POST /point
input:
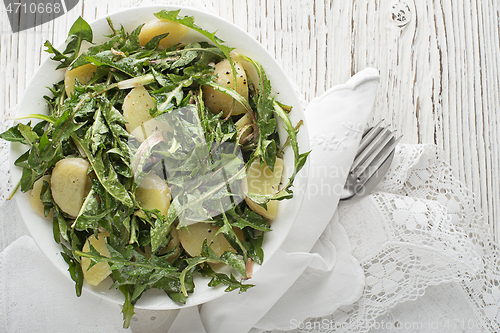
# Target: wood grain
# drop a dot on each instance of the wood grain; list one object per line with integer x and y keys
{"x": 439, "y": 63}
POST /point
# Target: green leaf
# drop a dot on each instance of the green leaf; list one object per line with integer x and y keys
{"x": 46, "y": 198}
{"x": 231, "y": 92}
{"x": 26, "y": 131}
{"x": 132, "y": 43}
{"x": 17, "y": 133}
{"x": 128, "y": 307}
{"x": 264, "y": 198}
{"x": 153, "y": 43}
{"x": 220, "y": 278}
{"x": 129, "y": 65}
{"x": 99, "y": 131}
{"x": 75, "y": 270}
{"x": 13, "y": 135}
{"x": 162, "y": 228}
{"x": 188, "y": 21}
{"x": 90, "y": 213}
{"x": 60, "y": 221}
{"x": 269, "y": 147}
{"x": 109, "y": 179}
{"x": 300, "y": 159}
{"x": 106, "y": 46}
{"x": 249, "y": 219}
{"x": 21, "y": 160}
{"x": 106, "y": 175}
{"x": 80, "y": 31}
{"x": 142, "y": 154}
{"x": 65, "y": 126}
{"x": 187, "y": 56}
{"x": 58, "y": 56}
{"x": 28, "y": 178}
{"x": 253, "y": 245}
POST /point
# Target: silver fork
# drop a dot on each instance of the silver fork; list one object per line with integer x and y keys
{"x": 371, "y": 163}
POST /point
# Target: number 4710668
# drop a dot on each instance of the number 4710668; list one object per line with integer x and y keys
{"x": 34, "y": 8}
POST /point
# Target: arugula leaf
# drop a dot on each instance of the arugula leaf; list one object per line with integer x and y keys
{"x": 300, "y": 158}
{"x": 249, "y": 219}
{"x": 153, "y": 43}
{"x": 13, "y": 134}
{"x": 253, "y": 245}
{"x": 60, "y": 225}
{"x": 208, "y": 255}
{"x": 74, "y": 268}
{"x": 264, "y": 103}
{"x": 80, "y": 31}
{"x": 128, "y": 307}
{"x": 106, "y": 46}
{"x": 99, "y": 131}
{"x": 106, "y": 174}
{"x": 220, "y": 278}
{"x": 131, "y": 65}
{"x": 90, "y": 213}
{"x": 188, "y": 21}
{"x": 132, "y": 42}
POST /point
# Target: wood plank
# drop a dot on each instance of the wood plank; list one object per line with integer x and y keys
{"x": 440, "y": 72}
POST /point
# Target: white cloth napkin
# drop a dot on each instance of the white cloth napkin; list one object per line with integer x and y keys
{"x": 36, "y": 297}
{"x": 314, "y": 265}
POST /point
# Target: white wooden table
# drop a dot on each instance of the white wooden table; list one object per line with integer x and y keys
{"x": 439, "y": 63}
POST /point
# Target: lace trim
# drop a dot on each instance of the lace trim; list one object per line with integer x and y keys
{"x": 419, "y": 229}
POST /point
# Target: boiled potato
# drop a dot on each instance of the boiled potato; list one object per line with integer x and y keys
{"x": 101, "y": 270}
{"x": 263, "y": 181}
{"x": 218, "y": 101}
{"x": 156, "y": 27}
{"x": 83, "y": 73}
{"x": 140, "y": 123}
{"x": 35, "y": 201}
{"x": 153, "y": 193}
{"x": 246, "y": 119}
{"x": 136, "y": 106}
{"x": 192, "y": 239}
{"x": 69, "y": 184}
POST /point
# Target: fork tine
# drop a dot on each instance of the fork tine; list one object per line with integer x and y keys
{"x": 374, "y": 148}
{"x": 380, "y": 160}
{"x": 371, "y": 142}
{"x": 368, "y": 137}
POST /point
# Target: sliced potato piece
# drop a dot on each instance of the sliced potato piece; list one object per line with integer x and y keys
{"x": 140, "y": 123}
{"x": 147, "y": 128}
{"x": 153, "y": 193}
{"x": 192, "y": 239}
{"x": 136, "y": 106}
{"x": 263, "y": 181}
{"x": 176, "y": 32}
{"x": 101, "y": 270}
{"x": 35, "y": 201}
{"x": 218, "y": 101}
{"x": 68, "y": 184}
{"x": 83, "y": 73}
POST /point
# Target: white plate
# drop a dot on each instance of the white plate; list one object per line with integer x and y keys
{"x": 46, "y": 75}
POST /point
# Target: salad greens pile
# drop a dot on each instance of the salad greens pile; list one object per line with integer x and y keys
{"x": 89, "y": 124}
